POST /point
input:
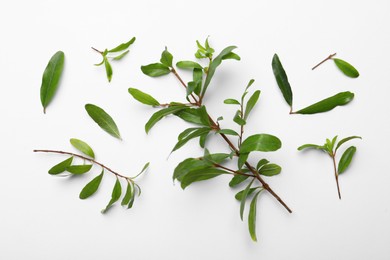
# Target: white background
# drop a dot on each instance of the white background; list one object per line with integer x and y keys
{"x": 41, "y": 215}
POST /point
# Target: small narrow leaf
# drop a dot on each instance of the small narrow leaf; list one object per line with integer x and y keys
{"x": 252, "y": 217}
{"x": 128, "y": 195}
{"x": 227, "y": 132}
{"x": 346, "y": 68}
{"x": 342, "y": 141}
{"x": 242, "y": 159}
{"x": 120, "y": 56}
{"x": 310, "y": 146}
{"x": 123, "y": 46}
{"x": 251, "y": 103}
{"x": 260, "y": 142}
{"x": 82, "y": 147}
{"x": 188, "y": 65}
{"x": 243, "y": 199}
{"x": 166, "y": 58}
{"x": 198, "y": 132}
{"x": 103, "y": 119}
{"x": 270, "y": 169}
{"x": 237, "y": 179}
{"x": 155, "y": 70}
{"x": 143, "y": 97}
{"x": 115, "y": 195}
{"x": 282, "y": 80}
{"x": 51, "y": 77}
{"x": 108, "y": 67}
{"x": 239, "y": 195}
{"x": 231, "y": 101}
{"x": 328, "y": 104}
{"x": 237, "y": 118}
{"x": 161, "y": 114}
{"x": 346, "y": 159}
{"x": 61, "y": 167}
{"x": 79, "y": 169}
{"x": 91, "y": 187}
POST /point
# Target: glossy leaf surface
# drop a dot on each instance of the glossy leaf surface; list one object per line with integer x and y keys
{"x": 346, "y": 159}
{"x": 79, "y": 169}
{"x": 91, "y": 187}
{"x": 143, "y": 97}
{"x": 346, "y": 68}
{"x": 155, "y": 69}
{"x": 61, "y": 167}
{"x": 115, "y": 195}
{"x": 282, "y": 80}
{"x": 260, "y": 142}
{"x": 103, "y": 119}
{"x": 82, "y": 147}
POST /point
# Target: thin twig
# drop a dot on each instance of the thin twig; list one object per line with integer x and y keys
{"x": 336, "y": 174}
{"x": 328, "y": 58}
{"x": 96, "y": 50}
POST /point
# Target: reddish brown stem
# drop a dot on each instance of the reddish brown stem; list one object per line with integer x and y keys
{"x": 336, "y": 174}
{"x": 328, "y": 58}
{"x": 96, "y": 50}
{"x": 184, "y": 85}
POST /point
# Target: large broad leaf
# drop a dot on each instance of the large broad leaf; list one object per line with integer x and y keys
{"x": 161, "y": 114}
{"x": 328, "y": 104}
{"x": 200, "y": 175}
{"x": 61, "y": 167}
{"x": 51, "y": 77}
{"x": 346, "y": 68}
{"x": 251, "y": 103}
{"x": 282, "y": 80}
{"x": 260, "y": 142}
{"x": 123, "y": 46}
{"x": 91, "y": 187}
{"x": 103, "y": 119}
{"x": 155, "y": 69}
{"x": 252, "y": 217}
{"x": 79, "y": 169}
{"x": 82, "y": 147}
{"x": 143, "y": 97}
{"x": 115, "y": 195}
{"x": 346, "y": 159}
{"x": 344, "y": 140}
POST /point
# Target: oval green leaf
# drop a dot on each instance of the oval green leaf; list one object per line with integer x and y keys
{"x": 328, "y": 104}
{"x": 166, "y": 58}
{"x": 108, "y": 67}
{"x": 155, "y": 70}
{"x": 231, "y": 101}
{"x": 82, "y": 147}
{"x": 260, "y": 142}
{"x": 346, "y": 159}
{"x": 51, "y": 77}
{"x": 61, "y": 167}
{"x": 282, "y": 80}
{"x": 237, "y": 179}
{"x": 270, "y": 169}
{"x": 200, "y": 175}
{"x": 79, "y": 169}
{"x": 346, "y": 68}
{"x": 91, "y": 187}
{"x": 103, "y": 119}
{"x": 143, "y": 97}
{"x": 161, "y": 114}
{"x": 240, "y": 194}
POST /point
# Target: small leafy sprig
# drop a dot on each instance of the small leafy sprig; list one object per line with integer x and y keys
{"x": 330, "y": 147}
{"x": 342, "y": 65}
{"x": 194, "y": 111}
{"x": 120, "y": 52}
{"x": 68, "y": 167}
{"x": 325, "y": 105}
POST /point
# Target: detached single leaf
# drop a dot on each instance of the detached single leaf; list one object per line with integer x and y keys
{"x": 346, "y": 159}
{"x": 115, "y": 195}
{"x": 188, "y": 65}
{"x": 346, "y": 68}
{"x": 155, "y": 69}
{"x": 200, "y": 175}
{"x": 328, "y": 104}
{"x": 282, "y": 80}
{"x": 91, "y": 187}
{"x": 79, "y": 169}
{"x": 161, "y": 114}
{"x": 342, "y": 141}
{"x": 166, "y": 58}
{"x": 270, "y": 169}
{"x": 227, "y": 132}
{"x": 51, "y": 77}
{"x": 260, "y": 142}
{"x": 123, "y": 46}
{"x": 143, "y": 97}
{"x": 108, "y": 67}
{"x": 61, "y": 167}
{"x": 252, "y": 217}
{"x": 103, "y": 119}
{"x": 82, "y": 147}
{"x": 251, "y": 103}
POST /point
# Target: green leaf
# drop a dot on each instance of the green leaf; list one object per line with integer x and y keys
{"x": 239, "y": 195}
{"x": 197, "y": 116}
{"x": 200, "y": 175}
{"x": 242, "y": 159}
{"x": 203, "y": 139}
{"x": 237, "y": 118}
{"x": 61, "y": 167}
{"x": 155, "y": 69}
{"x": 143, "y": 97}
{"x": 261, "y": 163}
{"x": 346, "y": 159}
{"x": 252, "y": 217}
{"x": 227, "y": 132}
{"x": 328, "y": 104}
{"x": 198, "y": 132}
{"x": 213, "y": 66}
{"x": 188, "y": 65}
{"x": 166, "y": 58}
{"x": 120, "y": 56}
{"x": 129, "y": 195}
{"x": 243, "y": 199}
{"x": 115, "y": 195}
{"x": 231, "y": 56}
{"x": 231, "y": 101}
{"x": 282, "y": 80}
{"x": 161, "y": 114}
{"x": 123, "y": 46}
{"x": 108, "y": 67}
{"x": 79, "y": 169}
{"x": 237, "y": 179}
{"x": 270, "y": 169}
{"x": 342, "y": 141}
{"x": 91, "y": 187}
{"x": 190, "y": 164}
{"x": 310, "y": 146}
{"x": 251, "y": 103}
{"x": 260, "y": 142}
{"x": 103, "y": 119}
{"x": 346, "y": 68}
{"x": 51, "y": 77}
{"x": 82, "y": 147}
